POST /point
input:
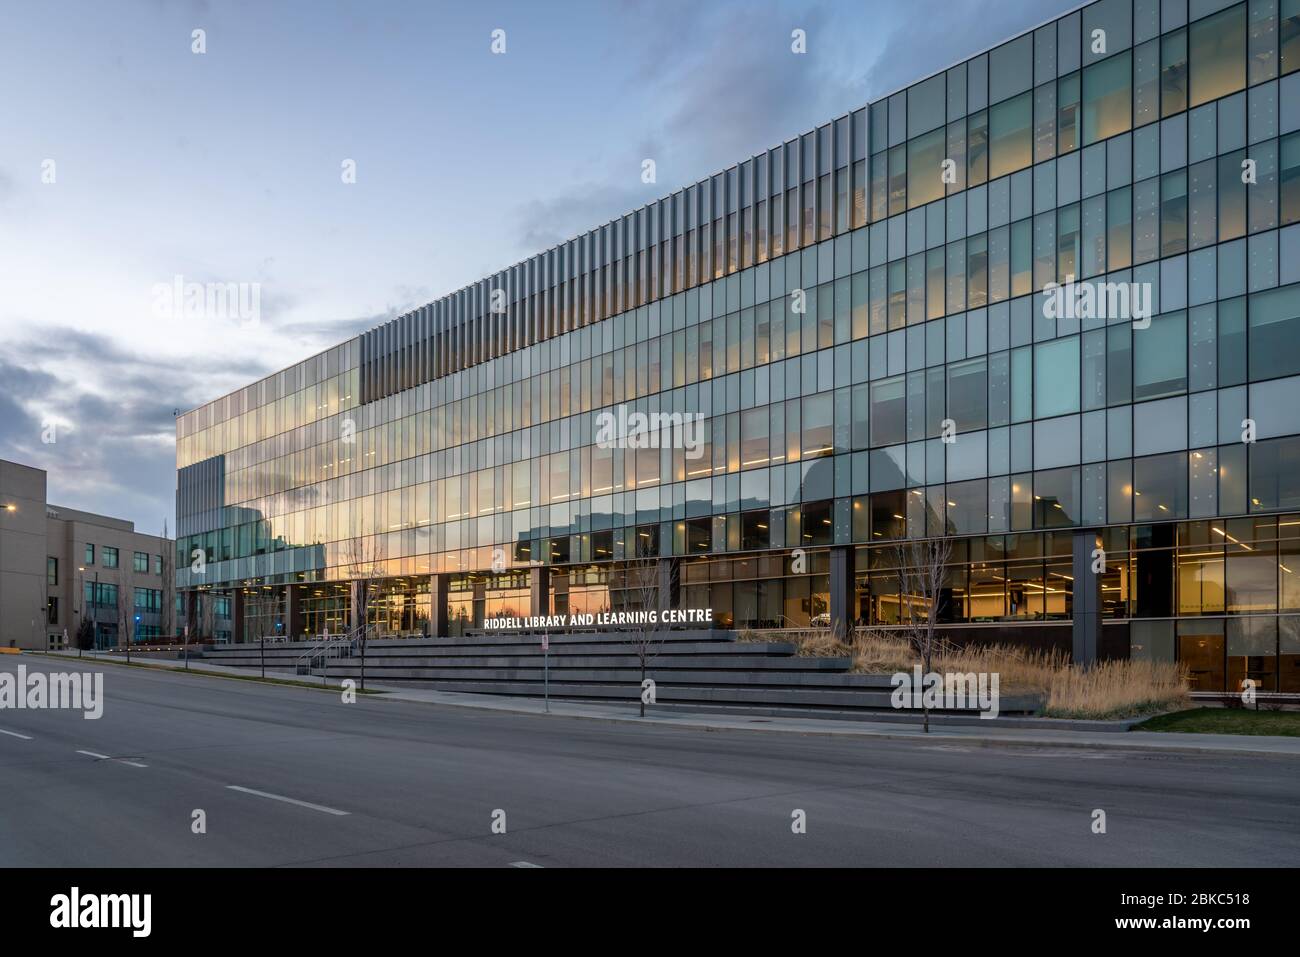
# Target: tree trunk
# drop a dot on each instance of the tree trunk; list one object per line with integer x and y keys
{"x": 925, "y": 705}
{"x": 643, "y": 663}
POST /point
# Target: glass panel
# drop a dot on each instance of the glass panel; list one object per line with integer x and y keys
{"x": 1160, "y": 487}
{"x": 1218, "y": 55}
{"x": 1056, "y": 378}
{"x": 925, "y": 156}
{"x": 1160, "y": 357}
{"x": 1173, "y": 73}
{"x": 1010, "y": 136}
{"x": 1107, "y": 98}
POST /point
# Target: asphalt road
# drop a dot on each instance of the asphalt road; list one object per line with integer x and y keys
{"x": 389, "y": 783}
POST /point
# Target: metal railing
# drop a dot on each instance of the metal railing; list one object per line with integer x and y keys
{"x": 329, "y": 647}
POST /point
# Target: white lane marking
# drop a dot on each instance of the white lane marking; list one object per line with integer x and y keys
{"x": 15, "y": 734}
{"x": 288, "y": 800}
{"x": 524, "y": 864}
{"x": 109, "y": 757}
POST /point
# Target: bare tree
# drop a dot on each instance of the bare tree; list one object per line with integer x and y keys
{"x": 365, "y": 562}
{"x": 922, "y": 571}
{"x": 642, "y": 593}
{"x": 85, "y": 635}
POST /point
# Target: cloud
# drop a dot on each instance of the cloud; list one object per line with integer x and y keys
{"x": 912, "y": 49}
{"x": 109, "y": 409}
{"x": 543, "y": 223}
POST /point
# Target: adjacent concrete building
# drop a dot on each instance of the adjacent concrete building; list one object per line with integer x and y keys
{"x": 61, "y": 565}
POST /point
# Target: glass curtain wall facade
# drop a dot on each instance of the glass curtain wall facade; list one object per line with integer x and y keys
{"x": 859, "y": 316}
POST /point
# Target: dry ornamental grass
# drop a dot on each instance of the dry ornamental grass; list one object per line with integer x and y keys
{"x": 1111, "y": 689}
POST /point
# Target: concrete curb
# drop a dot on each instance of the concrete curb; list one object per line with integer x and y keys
{"x": 1222, "y": 745}
{"x": 1111, "y": 740}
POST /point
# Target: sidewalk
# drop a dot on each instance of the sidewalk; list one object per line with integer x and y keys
{"x": 1069, "y": 735}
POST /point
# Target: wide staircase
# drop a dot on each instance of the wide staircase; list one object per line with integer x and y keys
{"x": 698, "y": 668}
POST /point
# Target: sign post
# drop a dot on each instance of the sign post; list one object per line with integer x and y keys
{"x": 546, "y": 672}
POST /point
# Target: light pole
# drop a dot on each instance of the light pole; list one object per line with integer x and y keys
{"x": 81, "y": 569}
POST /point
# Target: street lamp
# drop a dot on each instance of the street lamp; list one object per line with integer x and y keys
{"x": 95, "y": 612}
{"x": 80, "y": 613}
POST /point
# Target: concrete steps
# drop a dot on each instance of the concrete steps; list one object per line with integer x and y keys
{"x": 703, "y": 668}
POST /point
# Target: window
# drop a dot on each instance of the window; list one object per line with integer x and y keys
{"x": 1146, "y": 220}
{"x": 1067, "y": 114}
{"x": 977, "y": 148}
{"x": 1217, "y": 48}
{"x": 52, "y": 611}
{"x": 1056, "y": 498}
{"x": 925, "y": 156}
{"x": 1160, "y": 487}
{"x": 90, "y": 554}
{"x": 888, "y": 515}
{"x": 1067, "y": 243}
{"x": 1289, "y": 35}
{"x": 157, "y": 562}
{"x": 1056, "y": 378}
{"x": 818, "y": 415}
{"x": 1146, "y": 83}
{"x": 1232, "y": 197}
{"x": 1106, "y": 98}
{"x": 1160, "y": 357}
{"x": 753, "y": 438}
{"x": 1275, "y": 474}
{"x": 51, "y": 570}
{"x": 888, "y": 413}
{"x": 1119, "y": 229}
{"x": 1173, "y": 213}
{"x": 1173, "y": 73}
{"x": 1289, "y": 179}
{"x": 140, "y": 562}
{"x": 1275, "y": 333}
{"x": 110, "y": 557}
{"x": 100, "y": 594}
{"x": 1011, "y": 139}
{"x": 897, "y": 180}
{"x": 1202, "y": 211}
{"x": 967, "y": 507}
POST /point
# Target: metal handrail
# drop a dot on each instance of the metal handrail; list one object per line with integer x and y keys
{"x": 330, "y": 646}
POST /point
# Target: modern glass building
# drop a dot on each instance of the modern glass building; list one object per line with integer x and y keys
{"x": 859, "y": 315}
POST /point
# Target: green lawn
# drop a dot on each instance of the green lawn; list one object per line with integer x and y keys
{"x": 1225, "y": 721}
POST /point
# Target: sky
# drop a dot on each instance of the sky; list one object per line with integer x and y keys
{"x": 129, "y": 162}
